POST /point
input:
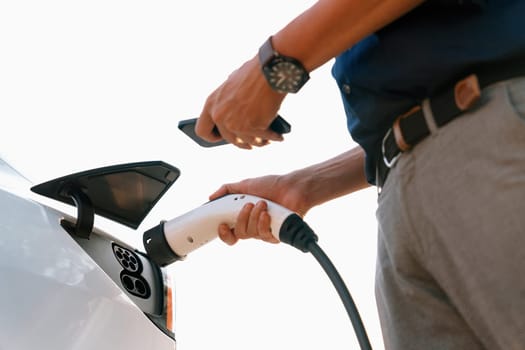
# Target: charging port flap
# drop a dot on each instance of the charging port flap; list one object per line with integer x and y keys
{"x": 123, "y": 193}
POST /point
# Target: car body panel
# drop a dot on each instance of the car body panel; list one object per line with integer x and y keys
{"x": 53, "y": 294}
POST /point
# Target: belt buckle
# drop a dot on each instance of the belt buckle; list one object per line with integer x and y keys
{"x": 388, "y": 163}
{"x": 398, "y": 137}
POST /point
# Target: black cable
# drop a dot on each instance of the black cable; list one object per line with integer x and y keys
{"x": 344, "y": 294}
{"x": 298, "y": 234}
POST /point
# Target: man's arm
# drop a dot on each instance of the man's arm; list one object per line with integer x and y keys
{"x": 299, "y": 191}
{"x": 244, "y": 106}
{"x": 330, "y": 179}
{"x": 330, "y": 27}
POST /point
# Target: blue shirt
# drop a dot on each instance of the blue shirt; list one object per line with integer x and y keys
{"x": 394, "y": 69}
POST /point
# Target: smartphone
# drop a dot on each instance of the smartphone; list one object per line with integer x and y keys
{"x": 187, "y": 126}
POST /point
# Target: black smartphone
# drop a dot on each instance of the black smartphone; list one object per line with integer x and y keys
{"x": 279, "y": 125}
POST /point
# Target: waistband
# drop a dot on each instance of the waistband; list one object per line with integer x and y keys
{"x": 411, "y": 127}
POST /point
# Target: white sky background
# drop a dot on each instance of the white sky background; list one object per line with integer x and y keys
{"x": 85, "y": 84}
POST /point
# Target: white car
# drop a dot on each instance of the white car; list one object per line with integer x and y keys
{"x": 68, "y": 285}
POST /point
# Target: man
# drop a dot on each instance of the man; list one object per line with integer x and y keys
{"x": 434, "y": 94}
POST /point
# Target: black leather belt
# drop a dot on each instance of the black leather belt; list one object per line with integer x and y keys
{"x": 410, "y": 128}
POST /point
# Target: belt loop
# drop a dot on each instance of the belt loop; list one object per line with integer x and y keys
{"x": 429, "y": 116}
{"x": 398, "y": 134}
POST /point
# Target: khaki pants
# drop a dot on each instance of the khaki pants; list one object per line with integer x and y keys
{"x": 451, "y": 245}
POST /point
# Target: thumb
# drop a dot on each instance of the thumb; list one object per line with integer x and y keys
{"x": 222, "y": 191}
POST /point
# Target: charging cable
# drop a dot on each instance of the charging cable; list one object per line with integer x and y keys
{"x": 298, "y": 234}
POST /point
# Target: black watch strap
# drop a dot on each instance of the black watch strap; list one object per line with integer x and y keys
{"x": 266, "y": 52}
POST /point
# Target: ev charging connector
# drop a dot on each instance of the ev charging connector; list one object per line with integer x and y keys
{"x": 174, "y": 239}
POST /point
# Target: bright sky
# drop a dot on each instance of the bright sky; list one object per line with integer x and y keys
{"x": 85, "y": 84}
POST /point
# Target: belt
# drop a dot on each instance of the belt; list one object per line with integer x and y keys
{"x": 411, "y": 128}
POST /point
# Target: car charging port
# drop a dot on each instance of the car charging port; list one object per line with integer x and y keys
{"x": 131, "y": 277}
{"x": 135, "y": 284}
{"x": 128, "y": 259}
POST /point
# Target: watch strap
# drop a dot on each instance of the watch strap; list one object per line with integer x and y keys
{"x": 266, "y": 52}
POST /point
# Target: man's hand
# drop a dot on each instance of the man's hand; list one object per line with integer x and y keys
{"x": 253, "y": 220}
{"x": 241, "y": 109}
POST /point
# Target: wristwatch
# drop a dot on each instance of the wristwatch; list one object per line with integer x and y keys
{"x": 284, "y": 74}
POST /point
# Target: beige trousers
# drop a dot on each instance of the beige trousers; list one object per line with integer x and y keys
{"x": 451, "y": 245}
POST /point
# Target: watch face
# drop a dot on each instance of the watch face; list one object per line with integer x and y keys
{"x": 286, "y": 75}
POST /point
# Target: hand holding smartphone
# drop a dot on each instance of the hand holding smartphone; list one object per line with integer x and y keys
{"x": 187, "y": 126}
